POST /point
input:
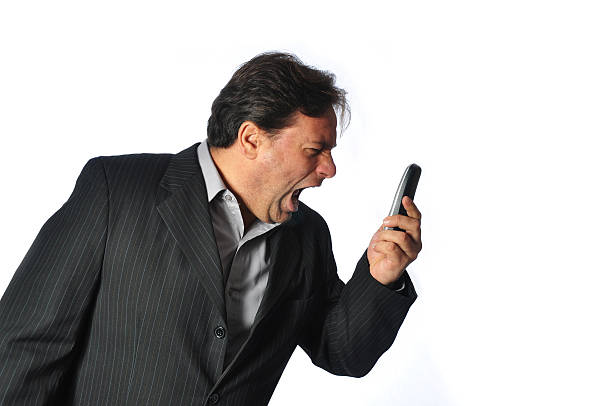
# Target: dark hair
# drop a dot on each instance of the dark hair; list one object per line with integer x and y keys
{"x": 268, "y": 90}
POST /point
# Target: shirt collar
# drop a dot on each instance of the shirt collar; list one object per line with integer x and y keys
{"x": 214, "y": 183}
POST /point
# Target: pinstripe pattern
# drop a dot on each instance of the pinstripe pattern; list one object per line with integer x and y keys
{"x": 117, "y": 300}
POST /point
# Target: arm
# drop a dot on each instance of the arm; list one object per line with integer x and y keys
{"x": 44, "y": 311}
{"x": 360, "y": 320}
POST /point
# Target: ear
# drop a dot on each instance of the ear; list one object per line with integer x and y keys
{"x": 249, "y": 139}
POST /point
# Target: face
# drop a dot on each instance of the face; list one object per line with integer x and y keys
{"x": 296, "y": 158}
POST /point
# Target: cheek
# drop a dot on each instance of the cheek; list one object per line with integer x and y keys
{"x": 283, "y": 171}
{"x": 275, "y": 167}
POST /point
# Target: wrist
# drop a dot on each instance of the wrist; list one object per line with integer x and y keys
{"x": 397, "y": 284}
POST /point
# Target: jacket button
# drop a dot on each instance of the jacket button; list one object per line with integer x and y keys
{"x": 219, "y": 332}
{"x": 214, "y": 398}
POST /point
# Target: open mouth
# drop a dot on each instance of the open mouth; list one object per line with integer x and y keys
{"x": 294, "y": 199}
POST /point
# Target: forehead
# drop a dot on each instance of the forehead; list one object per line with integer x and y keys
{"x": 319, "y": 130}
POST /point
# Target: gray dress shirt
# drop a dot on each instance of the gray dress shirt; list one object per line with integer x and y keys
{"x": 243, "y": 255}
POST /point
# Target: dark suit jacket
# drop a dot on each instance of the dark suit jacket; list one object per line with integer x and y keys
{"x": 119, "y": 301}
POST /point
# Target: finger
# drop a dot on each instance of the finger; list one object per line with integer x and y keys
{"x": 394, "y": 254}
{"x": 403, "y": 222}
{"x": 383, "y": 247}
{"x": 376, "y": 236}
{"x": 411, "y": 208}
{"x": 403, "y": 240}
{"x": 392, "y": 251}
{"x": 410, "y": 225}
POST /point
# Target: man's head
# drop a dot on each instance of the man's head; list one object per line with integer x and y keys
{"x": 268, "y": 90}
{"x": 271, "y": 133}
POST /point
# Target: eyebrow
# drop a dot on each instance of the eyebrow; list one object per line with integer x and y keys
{"x": 324, "y": 144}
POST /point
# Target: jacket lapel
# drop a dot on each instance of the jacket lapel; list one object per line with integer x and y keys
{"x": 285, "y": 268}
{"x": 285, "y": 255}
{"x": 183, "y": 205}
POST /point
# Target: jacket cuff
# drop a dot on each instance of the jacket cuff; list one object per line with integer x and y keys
{"x": 406, "y": 290}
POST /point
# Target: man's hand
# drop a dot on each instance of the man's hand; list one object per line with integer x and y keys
{"x": 390, "y": 251}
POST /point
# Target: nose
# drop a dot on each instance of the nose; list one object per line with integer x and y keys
{"x": 327, "y": 167}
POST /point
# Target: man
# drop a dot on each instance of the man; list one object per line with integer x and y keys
{"x": 190, "y": 278}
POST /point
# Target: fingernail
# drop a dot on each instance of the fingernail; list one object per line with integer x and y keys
{"x": 386, "y": 221}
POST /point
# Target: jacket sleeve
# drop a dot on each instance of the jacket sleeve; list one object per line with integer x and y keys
{"x": 45, "y": 310}
{"x": 359, "y": 321}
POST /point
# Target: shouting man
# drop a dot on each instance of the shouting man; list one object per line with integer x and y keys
{"x": 190, "y": 279}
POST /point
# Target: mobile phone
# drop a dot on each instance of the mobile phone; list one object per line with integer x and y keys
{"x": 406, "y": 187}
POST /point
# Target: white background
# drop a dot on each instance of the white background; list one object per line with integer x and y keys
{"x": 505, "y": 104}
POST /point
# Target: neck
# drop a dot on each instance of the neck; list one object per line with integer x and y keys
{"x": 229, "y": 167}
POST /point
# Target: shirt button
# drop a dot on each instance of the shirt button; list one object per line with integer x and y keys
{"x": 214, "y": 398}
{"x": 228, "y": 198}
{"x": 219, "y": 332}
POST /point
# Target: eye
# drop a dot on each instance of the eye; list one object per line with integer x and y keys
{"x": 314, "y": 151}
